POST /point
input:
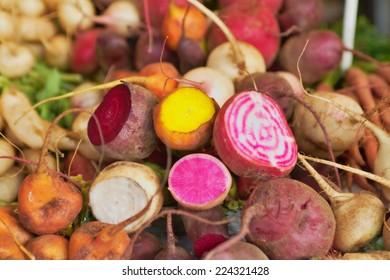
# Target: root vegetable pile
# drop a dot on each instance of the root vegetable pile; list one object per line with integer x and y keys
{"x": 132, "y": 130}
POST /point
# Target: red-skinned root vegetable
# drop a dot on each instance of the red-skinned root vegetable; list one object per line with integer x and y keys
{"x": 286, "y": 219}
{"x": 252, "y": 137}
{"x": 49, "y": 247}
{"x": 121, "y": 190}
{"x": 124, "y": 118}
{"x": 359, "y": 216}
{"x": 47, "y": 203}
{"x": 205, "y": 237}
{"x": 199, "y": 181}
{"x": 146, "y": 247}
{"x": 239, "y": 251}
{"x": 343, "y": 131}
{"x": 171, "y": 251}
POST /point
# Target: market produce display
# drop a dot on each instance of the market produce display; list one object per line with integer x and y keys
{"x": 191, "y": 130}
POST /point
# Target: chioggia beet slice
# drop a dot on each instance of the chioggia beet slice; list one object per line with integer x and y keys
{"x": 252, "y": 137}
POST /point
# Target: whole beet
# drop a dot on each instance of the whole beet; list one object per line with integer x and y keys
{"x": 322, "y": 54}
{"x": 297, "y": 223}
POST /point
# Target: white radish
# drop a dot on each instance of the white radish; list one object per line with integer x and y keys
{"x": 15, "y": 60}
{"x": 359, "y": 216}
{"x": 6, "y": 149}
{"x": 123, "y": 189}
{"x": 212, "y": 81}
{"x": 10, "y": 182}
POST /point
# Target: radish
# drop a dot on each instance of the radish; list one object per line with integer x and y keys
{"x": 122, "y": 124}
{"x": 252, "y": 137}
{"x": 254, "y": 24}
{"x": 191, "y": 190}
{"x": 213, "y": 82}
{"x": 121, "y": 190}
{"x": 359, "y": 216}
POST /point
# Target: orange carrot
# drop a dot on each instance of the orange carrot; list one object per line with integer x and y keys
{"x": 384, "y": 72}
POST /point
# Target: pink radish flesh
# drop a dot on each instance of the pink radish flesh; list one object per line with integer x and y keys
{"x": 199, "y": 181}
{"x": 252, "y": 137}
{"x": 110, "y": 116}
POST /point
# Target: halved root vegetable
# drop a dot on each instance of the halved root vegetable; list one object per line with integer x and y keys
{"x": 199, "y": 181}
{"x": 123, "y": 189}
{"x": 252, "y": 137}
{"x": 9, "y": 184}
{"x": 343, "y": 131}
{"x": 359, "y": 216}
{"x": 184, "y": 119}
{"x": 6, "y": 149}
{"x": 47, "y": 203}
{"x": 213, "y": 82}
{"x": 204, "y": 237}
{"x": 122, "y": 124}
{"x": 49, "y": 247}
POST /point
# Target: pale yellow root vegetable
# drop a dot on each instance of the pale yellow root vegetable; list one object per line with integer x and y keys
{"x": 34, "y": 29}
{"x": 73, "y": 15}
{"x": 12, "y": 138}
{"x": 57, "y": 51}
{"x": 9, "y": 184}
{"x": 2, "y": 123}
{"x": 6, "y": 26}
{"x": 15, "y": 60}
{"x": 6, "y": 149}
{"x": 32, "y": 8}
{"x": 376, "y": 255}
{"x": 33, "y": 155}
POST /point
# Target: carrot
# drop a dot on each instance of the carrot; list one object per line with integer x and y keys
{"x": 384, "y": 72}
{"x": 379, "y": 85}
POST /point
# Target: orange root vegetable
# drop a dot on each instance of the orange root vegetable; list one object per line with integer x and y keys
{"x": 49, "y": 247}
{"x": 370, "y": 145}
{"x": 158, "y": 78}
{"x": 184, "y": 119}
{"x": 359, "y": 216}
{"x": 384, "y": 72}
{"x": 195, "y": 24}
{"x": 47, "y": 203}
{"x": 380, "y": 87}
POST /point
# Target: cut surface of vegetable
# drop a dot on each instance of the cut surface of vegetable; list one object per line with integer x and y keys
{"x": 252, "y": 137}
{"x": 199, "y": 181}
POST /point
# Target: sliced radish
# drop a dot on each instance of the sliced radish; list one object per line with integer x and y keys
{"x": 199, "y": 181}
{"x": 252, "y": 137}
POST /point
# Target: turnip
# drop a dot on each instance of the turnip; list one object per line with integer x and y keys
{"x": 6, "y": 149}
{"x": 386, "y": 234}
{"x": 121, "y": 190}
{"x": 183, "y": 120}
{"x": 286, "y": 219}
{"x": 359, "y": 216}
{"x": 252, "y": 137}
{"x": 124, "y": 120}
{"x": 322, "y": 51}
{"x": 252, "y": 23}
{"x": 34, "y": 29}
{"x": 212, "y": 81}
{"x": 33, "y": 8}
{"x": 9, "y": 184}
{"x": 342, "y": 129}
{"x": 191, "y": 190}
{"x": 73, "y": 15}
{"x": 15, "y": 60}
{"x": 57, "y": 51}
